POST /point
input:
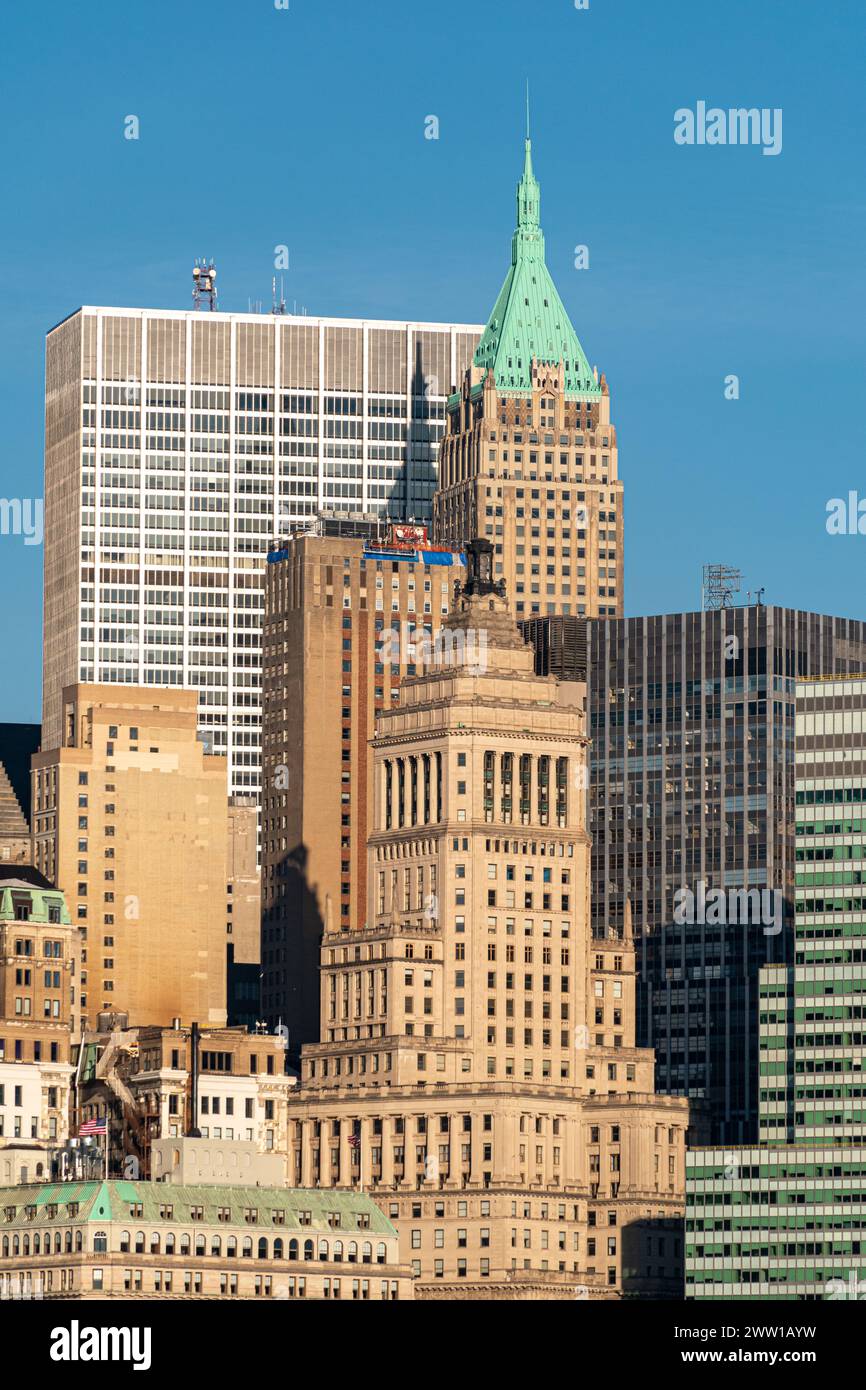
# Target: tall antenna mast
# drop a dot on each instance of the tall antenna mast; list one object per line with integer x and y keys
{"x": 527, "y": 108}
{"x": 204, "y": 284}
{"x": 720, "y": 584}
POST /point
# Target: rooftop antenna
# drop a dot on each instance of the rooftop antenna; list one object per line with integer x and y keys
{"x": 527, "y": 108}
{"x": 278, "y": 308}
{"x": 720, "y": 584}
{"x": 204, "y": 283}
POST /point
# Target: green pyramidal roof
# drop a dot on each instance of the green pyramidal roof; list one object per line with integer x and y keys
{"x": 529, "y": 319}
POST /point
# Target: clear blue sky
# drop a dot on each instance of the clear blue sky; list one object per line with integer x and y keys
{"x": 306, "y": 127}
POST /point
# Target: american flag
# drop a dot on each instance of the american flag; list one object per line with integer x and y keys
{"x": 354, "y": 1141}
{"x": 93, "y": 1127}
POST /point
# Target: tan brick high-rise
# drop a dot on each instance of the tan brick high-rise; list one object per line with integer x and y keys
{"x": 529, "y": 455}
{"x": 130, "y": 820}
{"x": 334, "y": 601}
{"x": 477, "y": 1070}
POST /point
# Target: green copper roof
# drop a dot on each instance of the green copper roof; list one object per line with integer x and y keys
{"x": 529, "y": 319}
{"x": 112, "y": 1200}
{"x": 40, "y": 901}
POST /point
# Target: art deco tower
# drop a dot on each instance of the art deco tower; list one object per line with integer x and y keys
{"x": 477, "y": 1070}
{"x": 529, "y": 456}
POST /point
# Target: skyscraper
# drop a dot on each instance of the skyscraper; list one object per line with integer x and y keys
{"x": 130, "y": 818}
{"x": 786, "y": 1220}
{"x": 477, "y": 1072}
{"x": 349, "y": 608}
{"x": 177, "y": 445}
{"x": 529, "y": 455}
{"x": 692, "y": 793}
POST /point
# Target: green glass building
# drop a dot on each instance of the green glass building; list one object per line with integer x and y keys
{"x": 786, "y": 1219}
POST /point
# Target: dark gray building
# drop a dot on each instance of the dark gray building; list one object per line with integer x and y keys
{"x": 692, "y": 792}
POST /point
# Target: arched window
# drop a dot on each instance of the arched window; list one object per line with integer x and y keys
{"x": 231, "y": 1247}
{"x": 139, "y": 1242}
{"x": 293, "y": 1249}
{"x": 16, "y": 1246}
{"x": 6, "y": 1246}
{"x": 247, "y": 1248}
{"x": 263, "y": 1248}
{"x": 184, "y": 1244}
{"x": 100, "y": 1242}
{"x": 124, "y": 1241}
{"x": 36, "y": 1244}
{"x": 308, "y": 1249}
{"x": 169, "y": 1243}
{"x": 278, "y": 1248}
{"x": 200, "y": 1245}
{"x": 323, "y": 1249}
{"x": 154, "y": 1242}
{"x": 58, "y": 1241}
{"x": 216, "y": 1245}
{"x": 338, "y": 1251}
{"x": 26, "y": 1250}
{"x": 353, "y": 1252}
{"x": 67, "y": 1243}
{"x": 381, "y": 1253}
{"x": 79, "y": 1241}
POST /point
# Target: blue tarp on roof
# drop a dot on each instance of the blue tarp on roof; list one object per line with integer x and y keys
{"x": 441, "y": 557}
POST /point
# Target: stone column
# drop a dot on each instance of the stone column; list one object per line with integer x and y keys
{"x": 306, "y": 1127}
{"x": 366, "y": 1167}
{"x": 345, "y": 1178}
{"x": 388, "y": 1140}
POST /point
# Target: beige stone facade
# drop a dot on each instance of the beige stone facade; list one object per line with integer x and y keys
{"x": 243, "y": 900}
{"x": 477, "y": 1072}
{"x": 130, "y": 819}
{"x": 535, "y": 473}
